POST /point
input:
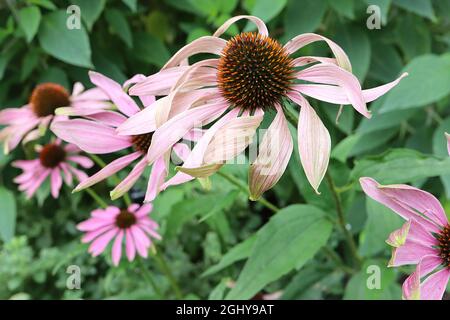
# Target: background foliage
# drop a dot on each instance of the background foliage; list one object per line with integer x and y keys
{"x": 216, "y": 237}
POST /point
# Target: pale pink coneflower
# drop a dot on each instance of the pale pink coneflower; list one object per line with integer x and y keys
{"x": 30, "y": 121}
{"x": 252, "y": 75}
{"x": 97, "y": 135}
{"x": 57, "y": 162}
{"x": 131, "y": 225}
{"x": 424, "y": 240}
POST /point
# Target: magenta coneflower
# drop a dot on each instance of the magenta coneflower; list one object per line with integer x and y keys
{"x": 97, "y": 135}
{"x": 131, "y": 225}
{"x": 56, "y": 161}
{"x": 40, "y": 110}
{"x": 253, "y": 74}
{"x": 424, "y": 240}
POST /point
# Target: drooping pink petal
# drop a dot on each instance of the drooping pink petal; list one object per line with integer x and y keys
{"x": 156, "y": 179}
{"x": 174, "y": 129}
{"x": 411, "y": 286}
{"x": 80, "y": 175}
{"x": 55, "y": 182}
{"x": 68, "y": 177}
{"x": 144, "y": 210}
{"x": 205, "y": 44}
{"x": 314, "y": 142}
{"x": 114, "y": 90}
{"x": 90, "y": 95}
{"x": 127, "y": 183}
{"x": 129, "y": 245}
{"x": 90, "y": 136}
{"x": 15, "y": 115}
{"x": 275, "y": 150}
{"x": 108, "y": 170}
{"x": 331, "y": 74}
{"x": 141, "y": 122}
{"x": 336, "y": 95}
{"x": 305, "y": 60}
{"x": 158, "y": 84}
{"x": 304, "y": 39}
{"x": 182, "y": 151}
{"x": 94, "y": 223}
{"x": 117, "y": 248}
{"x": 140, "y": 240}
{"x": 110, "y": 118}
{"x": 83, "y": 161}
{"x": 262, "y": 29}
{"x": 379, "y": 193}
{"x": 99, "y": 244}
{"x": 434, "y": 286}
{"x": 429, "y": 264}
{"x": 91, "y": 235}
{"x": 410, "y": 253}
{"x": 36, "y": 183}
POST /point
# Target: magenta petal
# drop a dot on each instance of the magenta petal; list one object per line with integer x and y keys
{"x": 117, "y": 248}
{"x": 434, "y": 286}
{"x": 55, "y": 182}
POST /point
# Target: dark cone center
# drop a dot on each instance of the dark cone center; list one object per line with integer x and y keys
{"x": 52, "y": 155}
{"x": 47, "y": 97}
{"x": 142, "y": 142}
{"x": 125, "y": 219}
{"x": 444, "y": 244}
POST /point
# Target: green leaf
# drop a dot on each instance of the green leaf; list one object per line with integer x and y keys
{"x": 400, "y": 166}
{"x": 29, "y": 63}
{"x": 119, "y": 25}
{"x": 29, "y": 19}
{"x": 47, "y": 4}
{"x": 237, "y": 253}
{"x": 423, "y": 8}
{"x": 413, "y": 36}
{"x": 132, "y": 4}
{"x": 303, "y": 16}
{"x": 386, "y": 62}
{"x": 265, "y": 10}
{"x": 56, "y": 75}
{"x": 7, "y": 214}
{"x": 90, "y": 10}
{"x": 381, "y": 221}
{"x": 429, "y": 76}
{"x": 69, "y": 45}
{"x": 384, "y": 6}
{"x": 286, "y": 242}
{"x": 356, "y": 44}
{"x": 150, "y": 49}
{"x": 345, "y": 8}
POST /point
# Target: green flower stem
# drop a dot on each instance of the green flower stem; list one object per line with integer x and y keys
{"x": 148, "y": 277}
{"x": 244, "y": 188}
{"x": 341, "y": 220}
{"x": 338, "y": 261}
{"x": 166, "y": 269}
{"x": 116, "y": 179}
{"x": 97, "y": 198}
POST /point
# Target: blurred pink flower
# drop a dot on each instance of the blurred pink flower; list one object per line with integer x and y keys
{"x": 131, "y": 225}
{"x": 21, "y": 123}
{"x": 424, "y": 240}
{"x": 447, "y": 136}
{"x": 252, "y": 75}
{"x": 55, "y": 161}
{"x": 97, "y": 135}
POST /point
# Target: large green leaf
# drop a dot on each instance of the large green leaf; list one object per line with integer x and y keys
{"x": 413, "y": 36}
{"x": 7, "y": 214}
{"x": 29, "y": 19}
{"x": 150, "y": 49}
{"x": 345, "y": 8}
{"x": 423, "y": 8}
{"x": 266, "y": 10}
{"x": 303, "y": 16}
{"x": 69, "y": 45}
{"x": 400, "y": 166}
{"x": 381, "y": 221}
{"x": 386, "y": 62}
{"x": 428, "y": 81}
{"x": 119, "y": 25}
{"x": 90, "y": 10}
{"x": 286, "y": 242}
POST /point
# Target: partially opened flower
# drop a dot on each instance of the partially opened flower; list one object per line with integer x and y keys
{"x": 30, "y": 121}
{"x": 56, "y": 162}
{"x": 424, "y": 240}
{"x": 96, "y": 134}
{"x": 252, "y": 75}
{"x": 131, "y": 225}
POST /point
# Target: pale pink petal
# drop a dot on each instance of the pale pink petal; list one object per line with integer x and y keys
{"x": 314, "y": 142}
{"x": 140, "y": 240}
{"x": 410, "y": 253}
{"x": 90, "y": 95}
{"x": 429, "y": 264}
{"x": 331, "y": 74}
{"x": 275, "y": 150}
{"x": 447, "y": 136}
{"x": 150, "y": 231}
{"x": 130, "y": 180}
{"x": 109, "y": 118}
{"x": 109, "y": 170}
{"x": 434, "y": 286}
{"x": 80, "y": 175}
{"x": 90, "y": 136}
{"x": 68, "y": 177}
{"x": 194, "y": 134}
{"x": 336, "y": 95}
{"x": 262, "y": 29}
{"x": 94, "y": 223}
{"x": 133, "y": 207}
{"x": 114, "y": 90}
{"x": 156, "y": 179}
{"x": 205, "y": 44}
{"x": 117, "y": 248}
{"x": 77, "y": 89}
{"x": 144, "y": 210}
{"x": 15, "y": 115}
{"x": 159, "y": 83}
{"x": 305, "y": 60}
{"x": 55, "y": 182}
{"x": 36, "y": 183}
{"x": 31, "y": 136}
{"x": 174, "y": 129}
{"x": 99, "y": 244}
{"x": 85, "y": 162}
{"x": 141, "y": 122}
{"x": 304, "y": 39}
{"x": 182, "y": 151}
{"x": 91, "y": 235}
{"x": 379, "y": 193}
{"x": 129, "y": 245}
{"x": 411, "y": 286}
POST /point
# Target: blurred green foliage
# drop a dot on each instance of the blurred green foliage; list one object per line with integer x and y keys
{"x": 216, "y": 237}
